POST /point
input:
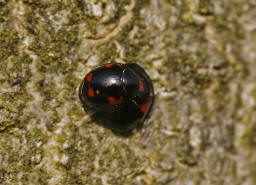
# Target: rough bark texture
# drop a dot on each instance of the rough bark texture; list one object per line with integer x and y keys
{"x": 201, "y": 56}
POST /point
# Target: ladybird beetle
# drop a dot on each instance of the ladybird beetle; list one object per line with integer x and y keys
{"x": 121, "y": 95}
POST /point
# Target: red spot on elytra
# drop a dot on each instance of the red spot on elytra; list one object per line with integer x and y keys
{"x": 89, "y": 77}
{"x": 90, "y": 92}
{"x": 108, "y": 65}
{"x": 112, "y": 100}
{"x": 118, "y": 64}
{"x": 141, "y": 86}
{"x": 144, "y": 108}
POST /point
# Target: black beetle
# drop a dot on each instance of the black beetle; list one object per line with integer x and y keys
{"x": 121, "y": 95}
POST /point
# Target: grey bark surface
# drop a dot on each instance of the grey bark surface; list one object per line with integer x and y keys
{"x": 201, "y": 56}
